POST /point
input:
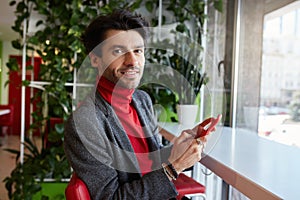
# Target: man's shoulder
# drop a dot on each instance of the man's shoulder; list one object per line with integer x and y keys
{"x": 89, "y": 107}
{"x": 141, "y": 95}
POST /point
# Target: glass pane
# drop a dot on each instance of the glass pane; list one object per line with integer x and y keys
{"x": 247, "y": 61}
{"x": 279, "y": 113}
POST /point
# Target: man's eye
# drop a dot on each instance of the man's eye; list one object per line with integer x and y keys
{"x": 118, "y": 51}
{"x": 139, "y": 51}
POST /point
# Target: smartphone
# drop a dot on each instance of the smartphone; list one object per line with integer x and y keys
{"x": 208, "y": 125}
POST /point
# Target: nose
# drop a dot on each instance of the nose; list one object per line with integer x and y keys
{"x": 130, "y": 59}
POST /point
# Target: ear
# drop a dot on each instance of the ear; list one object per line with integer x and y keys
{"x": 95, "y": 60}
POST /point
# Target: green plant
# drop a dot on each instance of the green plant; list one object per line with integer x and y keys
{"x": 181, "y": 51}
{"x": 26, "y": 179}
{"x": 56, "y": 40}
{"x": 185, "y": 59}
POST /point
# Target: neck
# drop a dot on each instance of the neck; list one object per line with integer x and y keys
{"x": 115, "y": 95}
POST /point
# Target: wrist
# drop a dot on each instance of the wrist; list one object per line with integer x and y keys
{"x": 173, "y": 170}
{"x": 170, "y": 173}
{"x": 176, "y": 166}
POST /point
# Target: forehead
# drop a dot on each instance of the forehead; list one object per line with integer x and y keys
{"x": 129, "y": 39}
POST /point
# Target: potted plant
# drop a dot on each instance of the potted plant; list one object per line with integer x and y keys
{"x": 56, "y": 41}
{"x": 180, "y": 74}
{"x": 189, "y": 64}
{"x": 181, "y": 51}
{"x": 40, "y": 165}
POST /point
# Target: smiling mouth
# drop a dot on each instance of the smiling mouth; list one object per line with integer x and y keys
{"x": 129, "y": 72}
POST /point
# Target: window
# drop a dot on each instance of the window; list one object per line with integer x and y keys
{"x": 267, "y": 71}
{"x": 278, "y": 118}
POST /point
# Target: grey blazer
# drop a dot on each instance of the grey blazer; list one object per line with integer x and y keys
{"x": 101, "y": 154}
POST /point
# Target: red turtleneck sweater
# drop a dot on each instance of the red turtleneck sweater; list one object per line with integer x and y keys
{"x": 120, "y": 98}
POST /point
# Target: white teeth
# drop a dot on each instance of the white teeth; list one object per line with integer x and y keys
{"x": 129, "y": 72}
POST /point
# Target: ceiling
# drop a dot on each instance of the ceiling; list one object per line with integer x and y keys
{"x": 7, "y": 18}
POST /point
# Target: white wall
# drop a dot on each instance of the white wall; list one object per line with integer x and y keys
{"x": 7, "y": 50}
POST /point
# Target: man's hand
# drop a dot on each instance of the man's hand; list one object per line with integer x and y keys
{"x": 186, "y": 150}
{"x": 188, "y": 147}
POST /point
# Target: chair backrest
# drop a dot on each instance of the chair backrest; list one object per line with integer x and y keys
{"x": 76, "y": 189}
{"x": 7, "y": 119}
{"x": 187, "y": 186}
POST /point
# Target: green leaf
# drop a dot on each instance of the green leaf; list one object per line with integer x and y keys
{"x": 34, "y": 40}
{"x": 26, "y": 82}
{"x": 149, "y": 6}
{"x": 13, "y": 151}
{"x": 135, "y": 5}
{"x": 21, "y": 7}
{"x": 16, "y": 44}
{"x": 39, "y": 23}
{"x": 31, "y": 147}
{"x": 183, "y": 3}
{"x": 11, "y": 3}
{"x": 29, "y": 67}
{"x": 12, "y": 64}
{"x": 218, "y": 5}
{"x": 181, "y": 28}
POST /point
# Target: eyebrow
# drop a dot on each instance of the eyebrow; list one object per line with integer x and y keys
{"x": 124, "y": 47}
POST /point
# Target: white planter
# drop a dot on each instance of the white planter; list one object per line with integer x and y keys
{"x": 187, "y": 114}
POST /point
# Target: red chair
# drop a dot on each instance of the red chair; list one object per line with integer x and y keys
{"x": 76, "y": 189}
{"x": 7, "y": 120}
{"x": 186, "y": 186}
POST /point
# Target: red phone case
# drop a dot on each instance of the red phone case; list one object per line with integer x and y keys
{"x": 208, "y": 125}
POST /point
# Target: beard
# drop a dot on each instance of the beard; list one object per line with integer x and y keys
{"x": 128, "y": 83}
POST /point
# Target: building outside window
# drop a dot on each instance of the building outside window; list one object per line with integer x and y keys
{"x": 280, "y": 75}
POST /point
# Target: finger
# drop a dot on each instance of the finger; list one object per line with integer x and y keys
{"x": 191, "y": 132}
{"x": 182, "y": 143}
{"x": 214, "y": 123}
{"x": 186, "y": 135}
{"x": 191, "y": 155}
{"x": 199, "y": 141}
{"x": 206, "y": 122}
{"x": 198, "y": 130}
{"x": 201, "y": 148}
{"x": 198, "y": 150}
